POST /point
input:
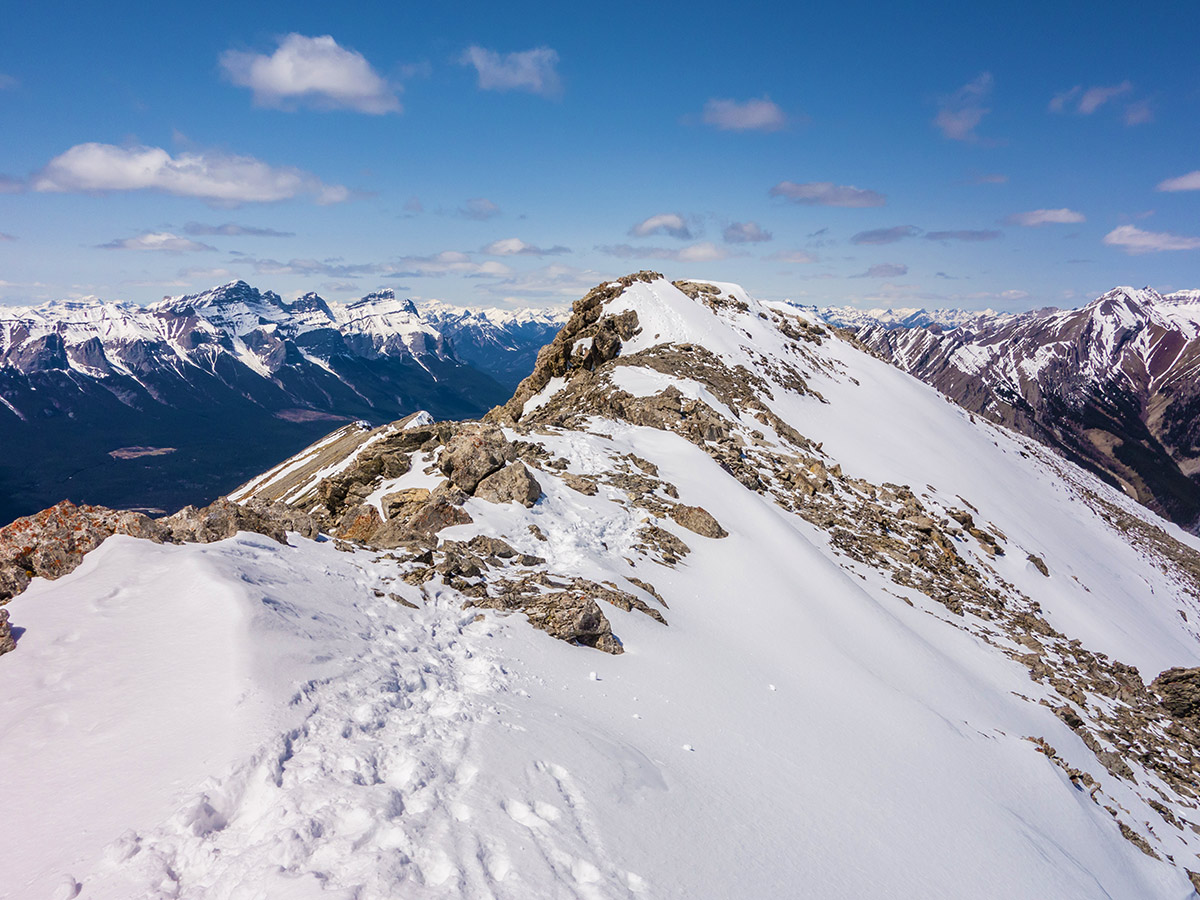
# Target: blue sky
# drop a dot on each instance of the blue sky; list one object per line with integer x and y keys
{"x": 956, "y": 155}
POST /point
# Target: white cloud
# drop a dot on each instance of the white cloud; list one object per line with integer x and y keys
{"x": 1095, "y": 97}
{"x": 663, "y": 223}
{"x": 1138, "y": 113}
{"x": 752, "y": 115}
{"x": 1134, "y": 241}
{"x": 448, "y": 262}
{"x": 312, "y": 70}
{"x": 793, "y": 256}
{"x": 221, "y": 180}
{"x": 745, "y": 233}
{"x": 517, "y": 247}
{"x": 553, "y": 281}
{"x": 884, "y": 270}
{"x": 163, "y": 241}
{"x": 479, "y": 208}
{"x": 530, "y": 70}
{"x": 826, "y": 193}
{"x": 1037, "y": 217}
{"x": 1086, "y": 101}
{"x": 233, "y": 229}
{"x": 1188, "y": 182}
{"x": 704, "y": 251}
{"x": 993, "y": 178}
{"x": 961, "y": 112}
{"x": 885, "y": 235}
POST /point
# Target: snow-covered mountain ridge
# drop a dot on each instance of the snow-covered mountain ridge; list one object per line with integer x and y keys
{"x": 1114, "y": 386}
{"x": 859, "y": 644}
{"x": 80, "y": 381}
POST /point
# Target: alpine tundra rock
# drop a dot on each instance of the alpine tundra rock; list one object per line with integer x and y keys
{"x": 1112, "y": 386}
{"x": 925, "y": 654}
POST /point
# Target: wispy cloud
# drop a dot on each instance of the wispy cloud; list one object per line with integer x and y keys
{"x": 480, "y": 209}
{"x": 963, "y": 235}
{"x": 232, "y": 229}
{"x": 991, "y": 178}
{"x": 533, "y": 70}
{"x": 10, "y": 185}
{"x": 745, "y": 233}
{"x": 826, "y": 193}
{"x": 704, "y": 251}
{"x": 448, "y": 262}
{"x": 553, "y": 281}
{"x": 884, "y": 270}
{"x": 517, "y": 247}
{"x": 885, "y": 235}
{"x": 220, "y": 179}
{"x": 313, "y": 71}
{"x": 756, "y": 114}
{"x": 1138, "y": 113}
{"x": 1188, "y": 182}
{"x": 1038, "y": 217}
{"x": 7, "y": 82}
{"x": 6, "y": 237}
{"x": 329, "y": 268}
{"x": 1135, "y": 241}
{"x": 663, "y": 223}
{"x": 1086, "y": 101}
{"x": 799, "y": 257}
{"x": 960, "y": 113}
{"x": 162, "y": 241}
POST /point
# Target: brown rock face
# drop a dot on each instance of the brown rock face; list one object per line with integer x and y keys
{"x": 699, "y": 520}
{"x": 512, "y": 483}
{"x": 52, "y": 543}
{"x": 6, "y": 639}
{"x": 474, "y": 453}
{"x": 223, "y": 519}
{"x": 1180, "y": 692}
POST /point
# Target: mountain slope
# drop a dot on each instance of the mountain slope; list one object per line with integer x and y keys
{"x": 163, "y": 387}
{"x": 1113, "y": 386}
{"x": 858, "y": 645}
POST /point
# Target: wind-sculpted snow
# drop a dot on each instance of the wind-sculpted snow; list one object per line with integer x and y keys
{"x": 871, "y": 647}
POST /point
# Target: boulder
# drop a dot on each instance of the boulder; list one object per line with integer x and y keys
{"x": 7, "y": 643}
{"x": 1179, "y": 690}
{"x": 359, "y": 524}
{"x": 512, "y": 483}
{"x": 52, "y": 542}
{"x": 473, "y": 454}
{"x": 403, "y": 504}
{"x": 223, "y": 519}
{"x": 699, "y": 520}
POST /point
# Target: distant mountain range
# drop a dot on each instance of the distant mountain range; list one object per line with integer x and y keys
{"x": 176, "y": 402}
{"x": 1114, "y": 386}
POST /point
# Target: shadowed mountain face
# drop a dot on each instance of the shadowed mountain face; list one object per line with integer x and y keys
{"x": 154, "y": 407}
{"x": 1113, "y": 386}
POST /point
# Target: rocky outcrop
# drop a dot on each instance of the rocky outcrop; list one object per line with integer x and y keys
{"x": 7, "y": 642}
{"x": 473, "y": 453}
{"x": 1179, "y": 690}
{"x": 513, "y": 483}
{"x": 53, "y": 542}
{"x": 699, "y": 520}
{"x": 588, "y": 339}
{"x": 224, "y": 519}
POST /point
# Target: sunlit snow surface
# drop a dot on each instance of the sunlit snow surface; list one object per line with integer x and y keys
{"x": 247, "y": 720}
